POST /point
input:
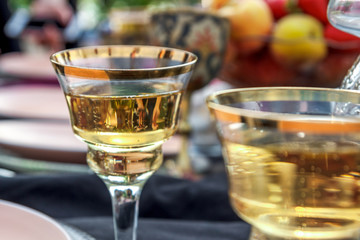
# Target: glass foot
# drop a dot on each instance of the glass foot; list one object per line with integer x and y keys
{"x": 256, "y": 234}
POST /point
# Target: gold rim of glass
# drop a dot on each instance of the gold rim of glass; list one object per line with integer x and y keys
{"x": 278, "y": 94}
{"x": 66, "y": 62}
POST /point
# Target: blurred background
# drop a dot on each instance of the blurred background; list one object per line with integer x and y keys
{"x": 59, "y": 24}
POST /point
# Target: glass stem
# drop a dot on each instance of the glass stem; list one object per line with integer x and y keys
{"x": 125, "y": 205}
{"x": 184, "y": 126}
{"x": 183, "y": 161}
{"x": 352, "y": 79}
{"x": 124, "y": 172}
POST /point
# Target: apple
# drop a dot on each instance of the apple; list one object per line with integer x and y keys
{"x": 298, "y": 41}
{"x": 280, "y": 8}
{"x": 250, "y": 20}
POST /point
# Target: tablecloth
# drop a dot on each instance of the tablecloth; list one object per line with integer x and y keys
{"x": 170, "y": 208}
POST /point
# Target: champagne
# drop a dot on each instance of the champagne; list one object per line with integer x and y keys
{"x": 132, "y": 117}
{"x": 302, "y": 187}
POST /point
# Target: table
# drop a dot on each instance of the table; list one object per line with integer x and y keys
{"x": 170, "y": 208}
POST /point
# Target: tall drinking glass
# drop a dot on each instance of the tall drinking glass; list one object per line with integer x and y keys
{"x": 345, "y": 15}
{"x": 293, "y": 159}
{"x": 124, "y": 103}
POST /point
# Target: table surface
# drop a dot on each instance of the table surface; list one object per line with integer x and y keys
{"x": 170, "y": 208}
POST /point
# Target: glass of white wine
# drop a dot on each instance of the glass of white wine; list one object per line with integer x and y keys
{"x": 124, "y": 103}
{"x": 293, "y": 159}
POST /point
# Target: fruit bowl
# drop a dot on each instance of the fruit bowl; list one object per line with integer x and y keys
{"x": 284, "y": 43}
{"x": 262, "y": 68}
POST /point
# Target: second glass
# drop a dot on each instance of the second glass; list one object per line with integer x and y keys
{"x": 124, "y": 103}
{"x": 293, "y": 159}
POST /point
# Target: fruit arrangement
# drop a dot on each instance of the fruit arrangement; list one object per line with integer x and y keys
{"x": 284, "y": 42}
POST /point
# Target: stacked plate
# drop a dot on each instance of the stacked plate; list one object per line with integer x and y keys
{"x": 26, "y": 66}
{"x": 38, "y": 124}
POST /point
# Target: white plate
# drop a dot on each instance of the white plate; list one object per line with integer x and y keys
{"x": 42, "y": 140}
{"x": 33, "y": 101}
{"x": 18, "y": 222}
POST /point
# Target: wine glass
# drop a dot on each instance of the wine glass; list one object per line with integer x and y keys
{"x": 292, "y": 159}
{"x": 345, "y": 15}
{"x": 124, "y": 103}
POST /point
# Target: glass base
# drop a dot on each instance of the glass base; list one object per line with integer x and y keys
{"x": 256, "y": 234}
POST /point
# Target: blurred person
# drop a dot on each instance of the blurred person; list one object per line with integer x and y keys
{"x": 6, "y": 44}
{"x": 55, "y": 16}
{"x": 45, "y": 25}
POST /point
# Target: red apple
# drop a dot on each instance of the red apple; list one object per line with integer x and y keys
{"x": 278, "y": 7}
{"x": 250, "y": 20}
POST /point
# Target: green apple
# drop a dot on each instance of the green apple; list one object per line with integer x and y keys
{"x": 298, "y": 41}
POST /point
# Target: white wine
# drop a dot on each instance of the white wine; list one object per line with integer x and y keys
{"x": 102, "y": 115}
{"x": 124, "y": 102}
{"x": 132, "y": 117}
{"x": 293, "y": 160}
{"x": 296, "y": 189}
